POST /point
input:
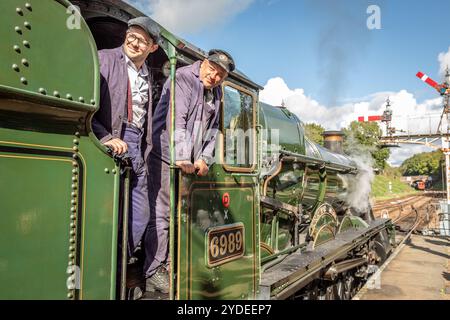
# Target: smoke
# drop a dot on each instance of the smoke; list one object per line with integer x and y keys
{"x": 342, "y": 44}
{"x": 359, "y": 186}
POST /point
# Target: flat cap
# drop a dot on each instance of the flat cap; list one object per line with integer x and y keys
{"x": 148, "y": 25}
{"x": 222, "y": 58}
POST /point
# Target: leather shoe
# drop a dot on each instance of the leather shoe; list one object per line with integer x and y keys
{"x": 135, "y": 293}
{"x": 159, "y": 281}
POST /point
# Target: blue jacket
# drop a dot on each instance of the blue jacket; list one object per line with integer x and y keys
{"x": 107, "y": 122}
{"x": 196, "y": 124}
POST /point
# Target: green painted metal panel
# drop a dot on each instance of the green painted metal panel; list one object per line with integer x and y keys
{"x": 287, "y": 186}
{"x": 201, "y": 211}
{"x": 276, "y": 118}
{"x": 35, "y": 225}
{"x": 98, "y": 247}
{"x": 36, "y": 183}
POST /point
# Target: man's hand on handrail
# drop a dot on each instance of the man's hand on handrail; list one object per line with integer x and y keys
{"x": 185, "y": 166}
{"x": 117, "y": 145}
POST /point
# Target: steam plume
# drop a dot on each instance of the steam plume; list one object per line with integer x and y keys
{"x": 359, "y": 186}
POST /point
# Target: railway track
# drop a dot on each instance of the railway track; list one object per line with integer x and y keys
{"x": 400, "y": 210}
{"x": 411, "y": 213}
{"x": 408, "y": 215}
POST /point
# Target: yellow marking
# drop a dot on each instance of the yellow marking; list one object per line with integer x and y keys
{"x": 179, "y": 239}
{"x": 34, "y": 158}
{"x": 266, "y": 247}
{"x": 84, "y": 220}
{"x": 254, "y": 246}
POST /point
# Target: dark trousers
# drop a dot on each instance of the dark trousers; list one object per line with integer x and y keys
{"x": 157, "y": 234}
{"x": 139, "y": 210}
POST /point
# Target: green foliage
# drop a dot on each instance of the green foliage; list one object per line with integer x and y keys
{"x": 314, "y": 132}
{"x": 381, "y": 155}
{"x": 394, "y": 172}
{"x": 365, "y": 133}
{"x": 425, "y": 163}
{"x": 380, "y": 187}
{"x": 365, "y": 136}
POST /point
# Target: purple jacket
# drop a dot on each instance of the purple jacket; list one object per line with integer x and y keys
{"x": 194, "y": 119}
{"x": 108, "y": 120}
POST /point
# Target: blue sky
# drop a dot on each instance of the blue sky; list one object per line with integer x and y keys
{"x": 285, "y": 38}
{"x": 319, "y": 57}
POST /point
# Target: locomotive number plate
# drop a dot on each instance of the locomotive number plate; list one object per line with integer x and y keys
{"x": 225, "y": 243}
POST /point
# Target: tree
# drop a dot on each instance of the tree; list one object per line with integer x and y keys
{"x": 425, "y": 163}
{"x": 365, "y": 137}
{"x": 394, "y": 172}
{"x": 314, "y": 132}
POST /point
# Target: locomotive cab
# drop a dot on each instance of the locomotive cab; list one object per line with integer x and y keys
{"x": 203, "y": 216}
{"x": 271, "y": 198}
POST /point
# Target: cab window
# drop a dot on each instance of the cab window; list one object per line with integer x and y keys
{"x": 238, "y": 129}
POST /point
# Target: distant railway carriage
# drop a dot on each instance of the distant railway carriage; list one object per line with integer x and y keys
{"x": 420, "y": 185}
{"x": 269, "y": 221}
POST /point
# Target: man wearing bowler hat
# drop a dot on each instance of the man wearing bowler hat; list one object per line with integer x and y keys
{"x": 124, "y": 119}
{"x": 197, "y": 102}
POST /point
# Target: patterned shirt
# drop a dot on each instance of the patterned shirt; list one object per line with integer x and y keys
{"x": 139, "y": 91}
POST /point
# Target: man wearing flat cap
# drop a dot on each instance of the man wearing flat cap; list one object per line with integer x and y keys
{"x": 197, "y": 102}
{"x": 124, "y": 119}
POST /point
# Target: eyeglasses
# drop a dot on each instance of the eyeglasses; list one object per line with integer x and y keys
{"x": 131, "y": 37}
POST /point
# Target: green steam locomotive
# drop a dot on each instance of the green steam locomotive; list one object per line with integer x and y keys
{"x": 271, "y": 220}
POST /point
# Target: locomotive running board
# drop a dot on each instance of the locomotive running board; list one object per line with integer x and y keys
{"x": 298, "y": 269}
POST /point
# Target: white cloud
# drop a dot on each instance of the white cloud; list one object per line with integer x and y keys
{"x": 190, "y": 16}
{"x": 408, "y": 115}
{"x": 444, "y": 61}
{"x": 276, "y": 92}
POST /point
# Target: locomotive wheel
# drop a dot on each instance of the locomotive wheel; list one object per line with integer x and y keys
{"x": 324, "y": 215}
{"x": 327, "y": 293}
{"x": 312, "y": 293}
{"x": 339, "y": 290}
